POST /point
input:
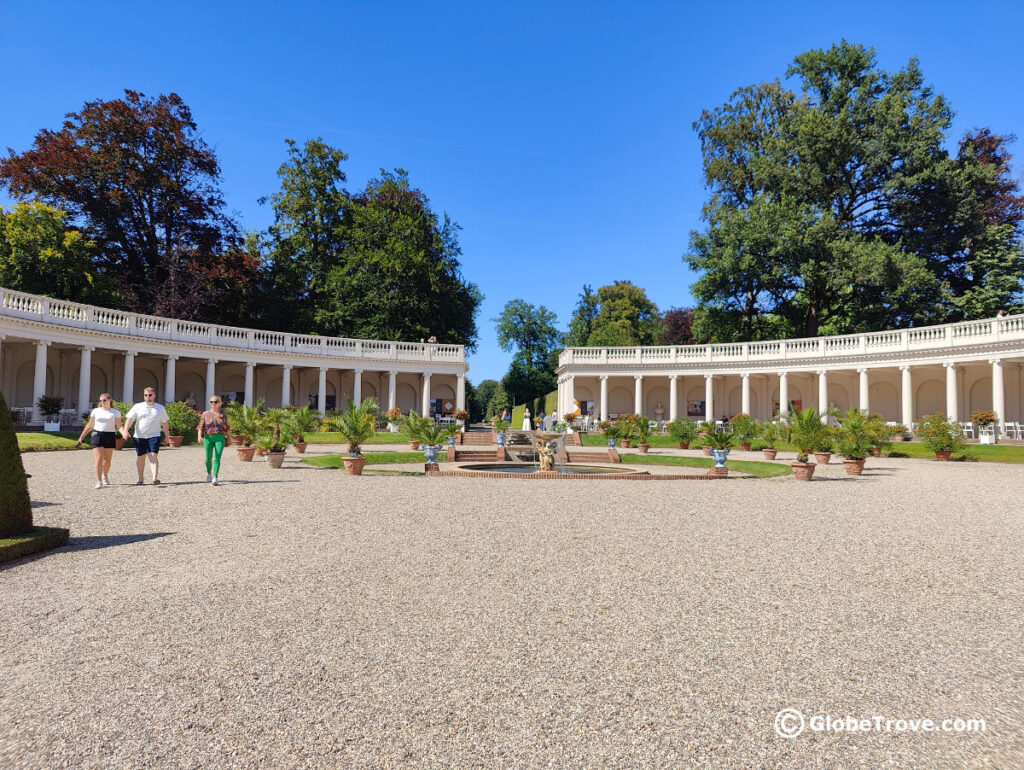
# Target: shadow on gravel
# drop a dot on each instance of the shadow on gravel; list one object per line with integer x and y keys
{"x": 108, "y": 541}
{"x": 227, "y": 483}
{"x": 43, "y": 504}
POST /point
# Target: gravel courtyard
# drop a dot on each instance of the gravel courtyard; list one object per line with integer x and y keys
{"x": 305, "y": 618}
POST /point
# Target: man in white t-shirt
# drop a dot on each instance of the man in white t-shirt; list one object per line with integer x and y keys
{"x": 151, "y": 418}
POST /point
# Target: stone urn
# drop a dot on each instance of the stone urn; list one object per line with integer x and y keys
{"x": 611, "y": 443}
{"x": 720, "y": 456}
{"x": 823, "y": 457}
{"x": 769, "y": 454}
{"x": 354, "y": 464}
{"x": 245, "y": 453}
{"x": 643, "y": 448}
{"x": 501, "y": 439}
{"x": 275, "y": 459}
{"x": 175, "y": 441}
{"x": 430, "y": 451}
{"x": 943, "y": 455}
{"x": 853, "y": 467}
{"x": 684, "y": 444}
{"x": 802, "y": 471}
{"x": 300, "y": 447}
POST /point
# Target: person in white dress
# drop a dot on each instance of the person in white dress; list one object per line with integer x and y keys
{"x": 104, "y": 422}
{"x": 527, "y": 425}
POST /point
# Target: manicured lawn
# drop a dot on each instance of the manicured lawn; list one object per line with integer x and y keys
{"x": 42, "y": 442}
{"x": 372, "y": 458}
{"x": 753, "y": 467}
{"x": 335, "y": 438}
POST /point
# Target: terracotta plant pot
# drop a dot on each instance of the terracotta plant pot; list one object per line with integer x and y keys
{"x": 237, "y": 440}
{"x": 354, "y": 465}
{"x": 802, "y": 471}
{"x": 624, "y": 443}
{"x": 823, "y": 457}
{"x": 119, "y": 444}
{"x": 744, "y": 446}
{"x": 943, "y": 455}
{"x": 175, "y": 441}
{"x": 853, "y": 467}
{"x": 643, "y": 448}
{"x": 275, "y": 459}
{"x": 245, "y": 453}
{"x": 684, "y": 444}
{"x": 300, "y": 447}
{"x": 261, "y": 452}
{"x": 769, "y": 454}
{"x": 412, "y": 445}
{"x": 707, "y": 451}
{"x": 876, "y": 451}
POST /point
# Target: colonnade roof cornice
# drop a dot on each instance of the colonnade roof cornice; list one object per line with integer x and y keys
{"x": 45, "y": 320}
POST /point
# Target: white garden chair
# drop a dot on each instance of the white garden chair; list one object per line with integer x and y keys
{"x": 968, "y": 429}
{"x": 1013, "y": 430}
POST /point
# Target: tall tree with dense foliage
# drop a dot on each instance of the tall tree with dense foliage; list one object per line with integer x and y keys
{"x": 139, "y": 181}
{"x": 677, "y": 326}
{"x": 530, "y": 331}
{"x": 620, "y": 314}
{"x": 831, "y": 209}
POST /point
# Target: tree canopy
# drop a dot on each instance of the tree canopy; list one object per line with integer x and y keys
{"x": 531, "y": 332}
{"x": 837, "y": 209}
{"x": 620, "y": 314}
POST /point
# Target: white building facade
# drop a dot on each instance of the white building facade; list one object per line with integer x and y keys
{"x": 902, "y": 375}
{"x": 60, "y": 348}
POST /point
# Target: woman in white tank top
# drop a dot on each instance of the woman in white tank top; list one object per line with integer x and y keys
{"x": 105, "y": 423}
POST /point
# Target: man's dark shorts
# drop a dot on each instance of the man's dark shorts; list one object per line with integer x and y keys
{"x": 144, "y": 446}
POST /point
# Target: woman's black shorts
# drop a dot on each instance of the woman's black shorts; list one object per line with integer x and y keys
{"x": 103, "y": 439}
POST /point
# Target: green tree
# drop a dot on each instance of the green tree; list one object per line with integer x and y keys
{"x": 531, "y": 332}
{"x": 618, "y": 314}
{"x": 498, "y": 401}
{"x": 482, "y": 397}
{"x": 15, "y": 506}
{"x": 581, "y": 326}
{"x": 39, "y": 254}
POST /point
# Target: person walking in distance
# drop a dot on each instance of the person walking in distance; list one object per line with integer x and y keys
{"x": 214, "y": 432}
{"x": 104, "y": 422}
{"x": 151, "y": 418}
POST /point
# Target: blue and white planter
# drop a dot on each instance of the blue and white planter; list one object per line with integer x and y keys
{"x": 501, "y": 439}
{"x": 431, "y": 452}
{"x": 719, "y": 455}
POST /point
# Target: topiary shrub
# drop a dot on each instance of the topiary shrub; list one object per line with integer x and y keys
{"x": 15, "y": 505}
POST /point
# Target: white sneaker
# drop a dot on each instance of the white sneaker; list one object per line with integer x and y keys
{"x": 209, "y": 478}
{"x": 106, "y": 481}
{"x": 215, "y": 482}
{"x": 99, "y": 485}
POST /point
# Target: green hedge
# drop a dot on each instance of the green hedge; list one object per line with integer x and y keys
{"x": 546, "y": 403}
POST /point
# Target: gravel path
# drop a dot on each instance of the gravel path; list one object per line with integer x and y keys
{"x": 305, "y": 618}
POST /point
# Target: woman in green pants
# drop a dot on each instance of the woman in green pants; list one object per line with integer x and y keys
{"x": 214, "y": 432}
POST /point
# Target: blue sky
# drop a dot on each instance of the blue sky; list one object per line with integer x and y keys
{"x": 558, "y": 135}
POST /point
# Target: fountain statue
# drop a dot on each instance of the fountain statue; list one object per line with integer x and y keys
{"x": 546, "y": 455}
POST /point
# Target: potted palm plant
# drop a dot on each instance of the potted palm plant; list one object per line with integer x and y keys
{"x": 357, "y": 425}
{"x": 432, "y": 438}
{"x": 683, "y": 431}
{"x": 826, "y": 443}
{"x": 854, "y": 439}
{"x": 769, "y": 433}
{"x": 49, "y": 407}
{"x": 804, "y": 432}
{"x": 881, "y": 437}
{"x": 414, "y": 424}
{"x": 304, "y": 420}
{"x": 642, "y": 430}
{"x": 706, "y": 428}
{"x": 719, "y": 443}
{"x": 612, "y": 435}
{"x": 279, "y": 434}
{"x": 182, "y": 420}
{"x": 745, "y": 428}
{"x": 500, "y": 426}
{"x": 247, "y": 427}
{"x": 940, "y": 435}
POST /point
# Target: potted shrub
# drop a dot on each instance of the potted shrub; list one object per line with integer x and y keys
{"x": 683, "y": 431}
{"x": 414, "y": 424}
{"x": 769, "y": 433}
{"x": 500, "y": 426}
{"x": 280, "y": 432}
{"x": 612, "y": 435}
{"x": 394, "y": 418}
{"x": 247, "y": 427}
{"x": 432, "y": 438}
{"x": 357, "y": 425}
{"x": 642, "y": 430}
{"x": 460, "y": 416}
{"x": 625, "y": 429}
{"x": 880, "y": 434}
{"x": 824, "y": 446}
{"x": 804, "y": 428}
{"x": 123, "y": 407}
{"x": 49, "y": 407}
{"x": 745, "y": 428}
{"x": 182, "y": 420}
{"x": 719, "y": 442}
{"x": 941, "y": 435}
{"x": 304, "y": 420}
{"x": 854, "y": 439}
{"x": 705, "y": 429}
{"x": 984, "y": 418}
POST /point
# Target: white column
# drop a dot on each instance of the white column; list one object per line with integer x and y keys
{"x": 709, "y": 397}
{"x": 865, "y": 390}
{"x": 998, "y": 395}
{"x": 426, "y": 393}
{"x": 357, "y": 386}
{"x": 39, "y": 381}
{"x": 745, "y": 393}
{"x": 673, "y": 397}
{"x": 952, "y": 413}
{"x": 249, "y": 383}
{"x": 604, "y": 398}
{"x": 286, "y": 384}
{"x": 321, "y": 391}
{"x": 460, "y": 393}
{"x": 570, "y": 395}
{"x": 170, "y": 379}
{"x": 392, "y": 397}
{"x": 907, "y": 392}
{"x": 129, "y": 377}
{"x": 783, "y": 394}
{"x": 822, "y": 392}
{"x": 85, "y": 379}
{"x": 638, "y": 394}
{"x": 211, "y": 377}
